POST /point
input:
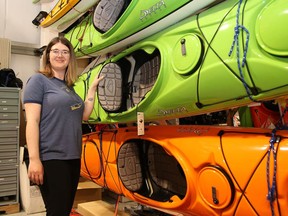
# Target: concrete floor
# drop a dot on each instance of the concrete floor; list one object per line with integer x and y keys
{"x": 22, "y": 213}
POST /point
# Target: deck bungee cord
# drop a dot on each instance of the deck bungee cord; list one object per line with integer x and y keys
{"x": 272, "y": 193}
{"x": 103, "y": 159}
{"x": 272, "y": 186}
{"x": 85, "y": 162}
{"x": 237, "y": 29}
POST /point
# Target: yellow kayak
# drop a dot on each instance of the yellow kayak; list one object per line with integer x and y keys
{"x": 65, "y": 12}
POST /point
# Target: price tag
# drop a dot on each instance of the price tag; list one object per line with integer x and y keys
{"x": 140, "y": 123}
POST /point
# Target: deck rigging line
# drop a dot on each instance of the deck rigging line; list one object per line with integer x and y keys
{"x": 235, "y": 42}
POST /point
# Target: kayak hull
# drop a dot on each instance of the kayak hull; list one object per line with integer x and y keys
{"x": 192, "y": 170}
{"x": 186, "y": 70}
{"x": 131, "y": 27}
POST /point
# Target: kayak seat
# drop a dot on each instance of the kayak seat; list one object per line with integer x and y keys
{"x": 110, "y": 88}
{"x": 144, "y": 79}
{"x": 106, "y": 14}
{"x": 127, "y": 81}
{"x": 146, "y": 169}
{"x": 166, "y": 174}
{"x": 129, "y": 166}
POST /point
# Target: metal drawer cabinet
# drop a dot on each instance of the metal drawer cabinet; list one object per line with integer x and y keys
{"x": 9, "y": 106}
{"x": 9, "y": 145}
{"x": 9, "y": 186}
{"x": 9, "y": 138}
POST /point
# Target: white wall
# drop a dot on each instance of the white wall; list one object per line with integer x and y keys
{"x": 16, "y": 21}
{"x": 16, "y": 25}
{"x": 24, "y": 66}
{"x": 2, "y": 17}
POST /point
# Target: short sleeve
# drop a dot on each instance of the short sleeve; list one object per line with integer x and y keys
{"x": 34, "y": 89}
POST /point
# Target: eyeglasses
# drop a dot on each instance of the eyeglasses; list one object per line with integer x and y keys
{"x": 62, "y": 52}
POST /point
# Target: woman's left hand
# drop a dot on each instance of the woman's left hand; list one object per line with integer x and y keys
{"x": 89, "y": 102}
{"x": 96, "y": 81}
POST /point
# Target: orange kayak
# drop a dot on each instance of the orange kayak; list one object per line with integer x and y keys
{"x": 193, "y": 170}
{"x": 265, "y": 114}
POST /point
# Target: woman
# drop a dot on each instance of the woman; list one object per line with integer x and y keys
{"x": 54, "y": 114}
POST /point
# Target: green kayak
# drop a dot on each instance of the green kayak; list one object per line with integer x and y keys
{"x": 225, "y": 57}
{"x": 110, "y": 27}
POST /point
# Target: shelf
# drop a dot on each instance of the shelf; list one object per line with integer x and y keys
{"x": 24, "y": 48}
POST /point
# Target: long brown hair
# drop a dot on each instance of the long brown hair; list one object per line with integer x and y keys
{"x": 71, "y": 71}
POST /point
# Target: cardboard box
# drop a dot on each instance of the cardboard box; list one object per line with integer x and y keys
{"x": 30, "y": 196}
{"x": 87, "y": 191}
{"x": 99, "y": 208}
{"x": 114, "y": 196}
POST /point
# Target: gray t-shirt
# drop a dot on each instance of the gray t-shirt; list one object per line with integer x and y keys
{"x": 61, "y": 117}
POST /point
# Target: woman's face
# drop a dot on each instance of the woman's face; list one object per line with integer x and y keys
{"x": 59, "y": 57}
